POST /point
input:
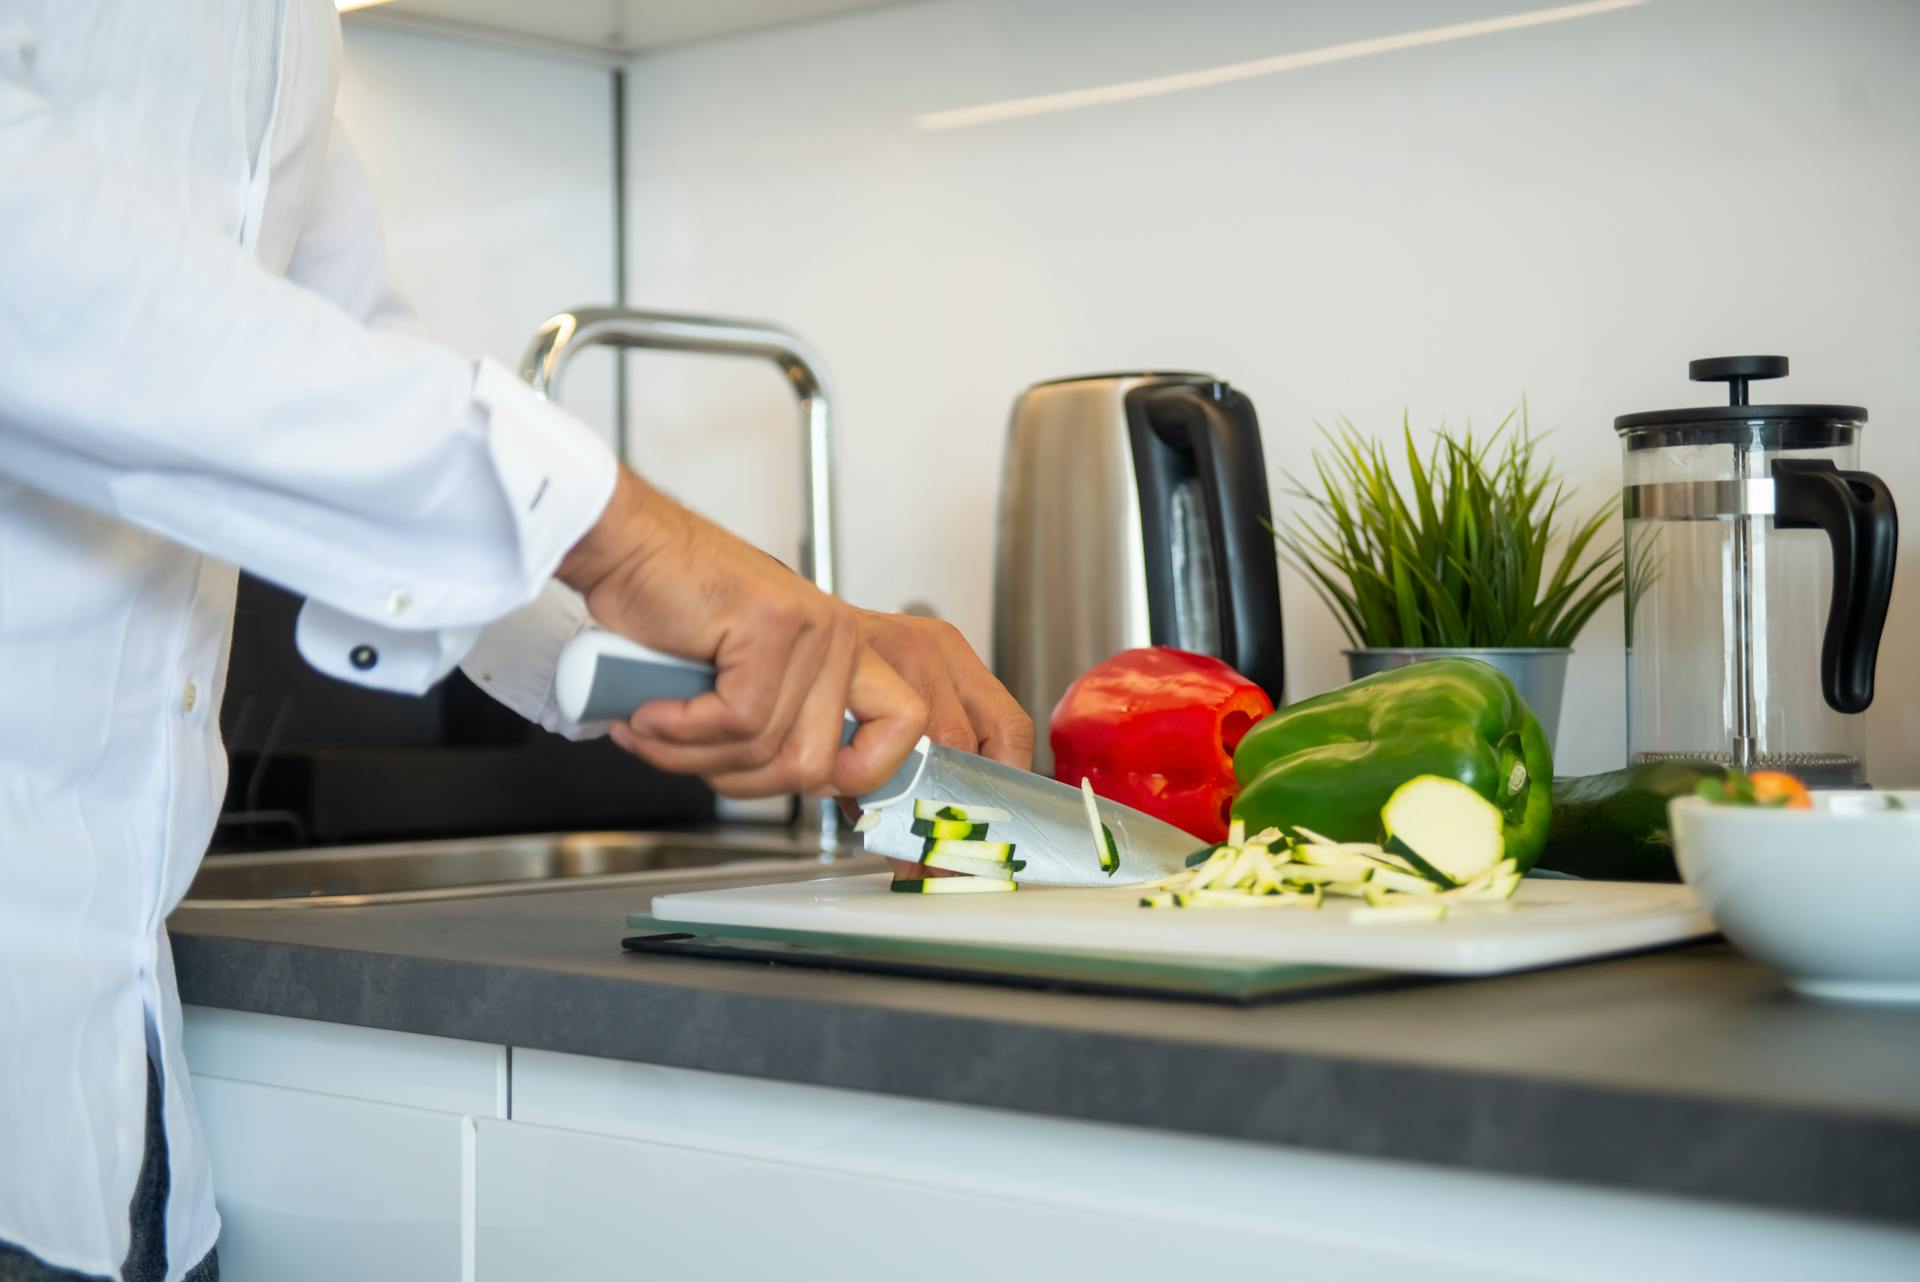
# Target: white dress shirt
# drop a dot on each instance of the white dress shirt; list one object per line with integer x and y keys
{"x": 201, "y": 366}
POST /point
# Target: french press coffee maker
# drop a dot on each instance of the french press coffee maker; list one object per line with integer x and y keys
{"x": 1759, "y": 567}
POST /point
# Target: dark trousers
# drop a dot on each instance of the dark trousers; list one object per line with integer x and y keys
{"x": 147, "y": 1257}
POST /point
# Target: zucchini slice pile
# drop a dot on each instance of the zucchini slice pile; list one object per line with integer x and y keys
{"x": 956, "y": 841}
{"x": 1269, "y": 870}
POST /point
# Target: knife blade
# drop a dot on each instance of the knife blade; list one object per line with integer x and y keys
{"x": 601, "y": 676}
{"x": 1048, "y": 828}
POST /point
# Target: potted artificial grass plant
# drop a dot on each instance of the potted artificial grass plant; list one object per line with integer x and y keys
{"x": 1457, "y": 564}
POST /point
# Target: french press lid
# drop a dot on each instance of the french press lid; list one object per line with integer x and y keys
{"x": 1776, "y": 427}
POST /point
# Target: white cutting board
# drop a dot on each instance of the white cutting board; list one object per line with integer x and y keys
{"x": 1546, "y": 923}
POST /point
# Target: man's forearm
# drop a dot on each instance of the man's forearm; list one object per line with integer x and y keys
{"x": 620, "y": 533}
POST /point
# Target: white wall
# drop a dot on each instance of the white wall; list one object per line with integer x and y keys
{"x": 1571, "y": 211}
{"x": 494, "y": 172}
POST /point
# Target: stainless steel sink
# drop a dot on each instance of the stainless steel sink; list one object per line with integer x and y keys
{"x": 416, "y": 871}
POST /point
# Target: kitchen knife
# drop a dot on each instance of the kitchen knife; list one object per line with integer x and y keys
{"x": 604, "y": 677}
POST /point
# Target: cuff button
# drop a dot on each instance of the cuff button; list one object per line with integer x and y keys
{"x": 363, "y": 657}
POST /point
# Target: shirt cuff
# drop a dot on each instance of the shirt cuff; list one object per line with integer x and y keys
{"x": 515, "y": 658}
{"x": 557, "y": 477}
{"x": 350, "y": 648}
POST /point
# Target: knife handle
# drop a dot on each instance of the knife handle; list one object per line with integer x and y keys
{"x": 604, "y": 677}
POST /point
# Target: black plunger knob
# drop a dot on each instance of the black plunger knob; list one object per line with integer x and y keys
{"x": 1734, "y": 371}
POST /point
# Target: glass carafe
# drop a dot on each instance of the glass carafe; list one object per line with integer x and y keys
{"x": 1759, "y": 568}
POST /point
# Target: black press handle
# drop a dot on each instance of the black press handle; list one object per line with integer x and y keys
{"x": 1207, "y": 432}
{"x": 1856, "y": 510}
{"x": 1736, "y": 372}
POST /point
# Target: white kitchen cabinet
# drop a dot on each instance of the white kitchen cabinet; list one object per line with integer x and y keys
{"x": 610, "y": 1164}
{"x": 340, "y": 1152}
{"x": 344, "y": 1152}
{"x": 324, "y": 1188}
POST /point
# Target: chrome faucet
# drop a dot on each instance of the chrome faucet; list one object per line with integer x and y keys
{"x": 565, "y": 335}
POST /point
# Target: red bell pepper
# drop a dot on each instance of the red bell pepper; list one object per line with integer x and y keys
{"x": 1155, "y": 729}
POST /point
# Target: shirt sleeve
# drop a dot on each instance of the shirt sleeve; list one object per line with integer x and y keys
{"x": 341, "y": 254}
{"x": 151, "y": 369}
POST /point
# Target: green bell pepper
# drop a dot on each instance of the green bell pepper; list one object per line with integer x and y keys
{"x": 1331, "y": 762}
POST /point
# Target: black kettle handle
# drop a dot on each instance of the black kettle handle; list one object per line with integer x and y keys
{"x": 1215, "y": 426}
{"x": 1856, "y": 510}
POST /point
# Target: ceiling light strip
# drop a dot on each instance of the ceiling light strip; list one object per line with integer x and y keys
{"x": 1100, "y": 95}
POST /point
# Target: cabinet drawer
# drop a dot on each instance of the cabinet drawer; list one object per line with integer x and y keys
{"x": 563, "y": 1204}
{"x": 320, "y": 1187}
{"x": 440, "y": 1073}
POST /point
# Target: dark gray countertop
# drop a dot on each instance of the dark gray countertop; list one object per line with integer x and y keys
{"x": 1690, "y": 1072}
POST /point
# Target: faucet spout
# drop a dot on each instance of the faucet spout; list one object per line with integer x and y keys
{"x": 567, "y": 334}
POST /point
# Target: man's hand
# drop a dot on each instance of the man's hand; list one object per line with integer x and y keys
{"x": 790, "y": 659}
{"x": 968, "y": 708}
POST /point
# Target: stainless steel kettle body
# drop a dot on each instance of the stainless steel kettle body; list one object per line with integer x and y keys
{"x": 1133, "y": 511}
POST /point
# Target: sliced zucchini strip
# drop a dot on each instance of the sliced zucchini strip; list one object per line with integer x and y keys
{"x": 960, "y": 813}
{"x": 953, "y": 886}
{"x": 974, "y": 867}
{"x": 998, "y": 852}
{"x": 1105, "y": 847}
{"x": 1403, "y": 882}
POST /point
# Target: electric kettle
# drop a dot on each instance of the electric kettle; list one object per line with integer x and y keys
{"x": 1759, "y": 568}
{"x": 1133, "y": 511}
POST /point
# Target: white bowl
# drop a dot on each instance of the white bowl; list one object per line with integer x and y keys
{"x": 1829, "y": 897}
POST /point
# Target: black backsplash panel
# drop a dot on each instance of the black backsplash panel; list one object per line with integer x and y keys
{"x": 319, "y": 761}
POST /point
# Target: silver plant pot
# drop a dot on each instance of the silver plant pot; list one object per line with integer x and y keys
{"x": 1539, "y": 674}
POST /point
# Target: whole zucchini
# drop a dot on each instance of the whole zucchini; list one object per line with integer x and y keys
{"x": 1613, "y": 826}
